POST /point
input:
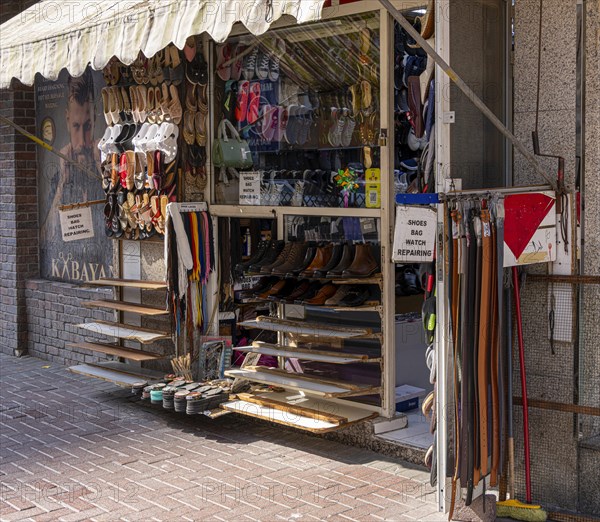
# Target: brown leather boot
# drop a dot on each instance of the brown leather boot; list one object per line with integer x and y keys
{"x": 364, "y": 264}
{"x": 326, "y": 292}
{"x": 275, "y": 289}
{"x": 321, "y": 259}
{"x": 281, "y": 258}
{"x": 345, "y": 262}
{"x": 294, "y": 257}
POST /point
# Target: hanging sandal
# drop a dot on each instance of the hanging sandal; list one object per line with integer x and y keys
{"x": 189, "y": 134}
{"x": 200, "y": 128}
{"x": 175, "y": 109}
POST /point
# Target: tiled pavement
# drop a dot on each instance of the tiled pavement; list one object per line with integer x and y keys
{"x": 74, "y": 448}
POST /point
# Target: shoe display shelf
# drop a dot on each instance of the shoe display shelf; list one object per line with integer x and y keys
{"x": 117, "y": 371}
{"x": 313, "y": 341}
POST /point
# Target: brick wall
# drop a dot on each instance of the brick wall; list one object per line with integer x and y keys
{"x": 53, "y": 310}
{"x": 18, "y": 215}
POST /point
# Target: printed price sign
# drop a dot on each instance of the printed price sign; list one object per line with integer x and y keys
{"x": 76, "y": 224}
{"x": 249, "y": 188}
{"x": 414, "y": 235}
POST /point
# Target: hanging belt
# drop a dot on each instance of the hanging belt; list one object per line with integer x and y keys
{"x": 457, "y": 242}
{"x": 475, "y": 352}
{"x": 485, "y": 332}
{"x": 467, "y": 401}
{"x": 498, "y": 452}
{"x": 493, "y": 366}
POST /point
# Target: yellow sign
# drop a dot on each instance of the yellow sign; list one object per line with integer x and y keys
{"x": 373, "y": 188}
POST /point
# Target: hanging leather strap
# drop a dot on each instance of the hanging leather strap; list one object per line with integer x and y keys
{"x": 485, "y": 331}
{"x": 475, "y": 351}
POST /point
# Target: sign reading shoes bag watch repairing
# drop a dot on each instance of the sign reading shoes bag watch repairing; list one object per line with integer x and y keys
{"x": 414, "y": 235}
{"x": 249, "y": 188}
{"x": 76, "y": 224}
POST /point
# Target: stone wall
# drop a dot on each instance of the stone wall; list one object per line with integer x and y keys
{"x": 558, "y": 477}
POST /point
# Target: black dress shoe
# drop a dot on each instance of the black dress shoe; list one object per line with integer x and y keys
{"x": 270, "y": 256}
{"x": 263, "y": 247}
{"x": 357, "y": 296}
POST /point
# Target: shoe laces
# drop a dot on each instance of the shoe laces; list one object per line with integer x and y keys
{"x": 251, "y": 60}
{"x": 264, "y": 62}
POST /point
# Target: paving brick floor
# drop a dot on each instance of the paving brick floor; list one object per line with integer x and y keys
{"x": 74, "y": 448}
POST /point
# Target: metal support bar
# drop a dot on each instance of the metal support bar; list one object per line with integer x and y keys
{"x": 467, "y": 91}
{"x": 48, "y": 147}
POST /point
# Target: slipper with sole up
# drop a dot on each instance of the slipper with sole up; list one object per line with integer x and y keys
{"x": 253, "y": 103}
{"x": 241, "y": 107}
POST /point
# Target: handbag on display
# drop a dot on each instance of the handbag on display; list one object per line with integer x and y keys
{"x": 231, "y": 151}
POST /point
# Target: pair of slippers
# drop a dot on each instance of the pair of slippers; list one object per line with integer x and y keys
{"x": 196, "y": 68}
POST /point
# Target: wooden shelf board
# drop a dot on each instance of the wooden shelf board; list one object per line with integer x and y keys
{"x": 363, "y": 308}
{"x": 123, "y": 306}
{"x": 299, "y": 411}
{"x": 307, "y": 355}
{"x": 131, "y": 283}
{"x": 125, "y": 331}
{"x": 298, "y": 382}
{"x": 111, "y": 374}
{"x": 373, "y": 280}
{"x": 119, "y": 351}
{"x": 301, "y": 327}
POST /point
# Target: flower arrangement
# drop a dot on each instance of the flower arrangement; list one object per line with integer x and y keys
{"x": 346, "y": 180}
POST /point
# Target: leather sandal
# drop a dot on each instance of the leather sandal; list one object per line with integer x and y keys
{"x": 200, "y": 128}
{"x": 142, "y": 96}
{"x": 157, "y": 176}
{"x": 149, "y": 169}
{"x": 106, "y": 105}
{"x": 189, "y": 134}
{"x": 175, "y": 109}
{"x": 130, "y": 174}
{"x": 150, "y": 102}
{"x": 191, "y": 103}
{"x": 170, "y": 174}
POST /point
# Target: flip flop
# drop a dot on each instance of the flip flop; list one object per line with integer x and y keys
{"x": 270, "y": 122}
{"x": 237, "y": 65}
{"x": 254, "y": 103}
{"x": 223, "y": 56}
{"x": 241, "y": 107}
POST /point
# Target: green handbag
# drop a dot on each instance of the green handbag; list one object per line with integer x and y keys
{"x": 231, "y": 152}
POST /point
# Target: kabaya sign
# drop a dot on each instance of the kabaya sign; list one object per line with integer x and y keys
{"x": 414, "y": 234}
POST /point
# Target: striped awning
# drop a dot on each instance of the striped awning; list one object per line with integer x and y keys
{"x": 52, "y": 35}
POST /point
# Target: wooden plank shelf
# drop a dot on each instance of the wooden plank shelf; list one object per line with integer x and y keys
{"x": 308, "y": 355}
{"x": 304, "y": 328}
{"x": 130, "y": 283}
{"x": 325, "y": 388}
{"x": 299, "y": 411}
{"x": 119, "y": 351}
{"x": 125, "y": 331}
{"x": 373, "y": 280}
{"x": 362, "y": 308}
{"x": 122, "y": 306}
{"x": 117, "y": 373}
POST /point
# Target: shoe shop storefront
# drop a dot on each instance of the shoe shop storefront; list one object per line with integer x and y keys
{"x": 320, "y": 200}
